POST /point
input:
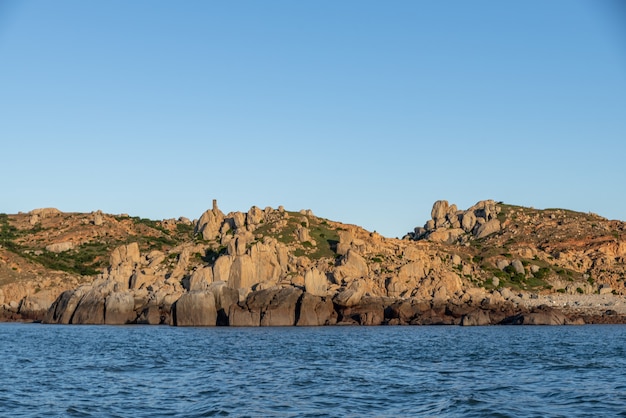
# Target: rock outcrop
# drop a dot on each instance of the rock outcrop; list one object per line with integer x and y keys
{"x": 59, "y": 247}
{"x": 119, "y": 308}
{"x": 478, "y": 317}
{"x": 123, "y": 263}
{"x": 210, "y": 223}
{"x": 36, "y": 306}
{"x": 270, "y": 307}
{"x": 450, "y": 225}
{"x": 485, "y": 265}
{"x": 315, "y": 311}
{"x": 195, "y": 308}
{"x": 315, "y": 282}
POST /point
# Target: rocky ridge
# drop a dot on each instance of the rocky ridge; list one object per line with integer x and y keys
{"x": 490, "y": 264}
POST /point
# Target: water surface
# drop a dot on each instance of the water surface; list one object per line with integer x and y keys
{"x": 152, "y": 371}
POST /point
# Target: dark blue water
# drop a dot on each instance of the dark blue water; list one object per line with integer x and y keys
{"x": 135, "y": 371}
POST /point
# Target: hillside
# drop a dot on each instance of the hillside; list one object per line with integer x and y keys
{"x": 490, "y": 263}
{"x": 559, "y": 250}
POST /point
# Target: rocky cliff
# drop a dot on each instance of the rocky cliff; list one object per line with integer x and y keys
{"x": 492, "y": 263}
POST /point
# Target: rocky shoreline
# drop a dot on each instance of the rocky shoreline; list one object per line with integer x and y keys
{"x": 488, "y": 265}
{"x": 593, "y": 309}
{"x": 290, "y": 306}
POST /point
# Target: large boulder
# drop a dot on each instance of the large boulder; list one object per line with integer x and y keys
{"x": 128, "y": 253}
{"x": 439, "y": 212}
{"x": 123, "y": 263}
{"x": 200, "y": 279}
{"x": 477, "y": 317}
{"x": 281, "y": 310}
{"x": 488, "y": 228}
{"x": 541, "y": 316}
{"x": 518, "y": 266}
{"x": 406, "y": 311}
{"x": 98, "y": 219}
{"x": 195, "y": 309}
{"x": 63, "y": 308}
{"x": 224, "y": 297}
{"x": 315, "y": 282}
{"x": 237, "y": 220}
{"x": 45, "y": 212}
{"x": 36, "y": 306}
{"x": 239, "y": 244}
{"x": 453, "y": 217}
{"x": 119, "y": 308}
{"x": 406, "y": 279}
{"x": 303, "y": 234}
{"x": 468, "y": 221}
{"x": 345, "y": 241}
{"x": 210, "y": 223}
{"x": 369, "y": 311}
{"x": 242, "y": 273}
{"x": 316, "y": 311}
{"x": 396, "y": 287}
{"x": 485, "y": 209}
{"x": 150, "y": 315}
{"x": 414, "y": 270}
{"x": 502, "y": 263}
{"x": 447, "y": 235}
{"x": 221, "y": 268}
{"x": 267, "y": 266}
{"x": 348, "y": 297}
{"x": 353, "y": 266}
{"x": 272, "y": 307}
{"x": 241, "y": 316}
{"x": 254, "y": 216}
{"x": 258, "y": 264}
{"x": 438, "y": 314}
{"x": 90, "y": 309}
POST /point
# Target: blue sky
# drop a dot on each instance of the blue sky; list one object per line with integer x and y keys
{"x": 365, "y": 112}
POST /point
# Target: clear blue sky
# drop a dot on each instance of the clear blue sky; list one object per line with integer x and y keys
{"x": 364, "y": 111}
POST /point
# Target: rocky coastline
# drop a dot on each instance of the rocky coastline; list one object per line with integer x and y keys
{"x": 492, "y": 264}
{"x": 491, "y": 310}
{"x": 295, "y": 307}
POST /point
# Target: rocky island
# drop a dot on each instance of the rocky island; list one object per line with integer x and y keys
{"x": 490, "y": 264}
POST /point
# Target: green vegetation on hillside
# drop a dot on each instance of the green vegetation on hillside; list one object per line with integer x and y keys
{"x": 8, "y": 233}
{"x": 325, "y": 237}
{"x": 89, "y": 258}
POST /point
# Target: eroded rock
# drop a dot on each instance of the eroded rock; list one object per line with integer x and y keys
{"x": 195, "y": 308}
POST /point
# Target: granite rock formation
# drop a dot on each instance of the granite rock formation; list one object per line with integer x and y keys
{"x": 490, "y": 264}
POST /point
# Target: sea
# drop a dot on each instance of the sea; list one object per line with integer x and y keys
{"x": 341, "y": 371}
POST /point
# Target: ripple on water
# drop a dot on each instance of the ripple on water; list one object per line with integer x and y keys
{"x": 333, "y": 371}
